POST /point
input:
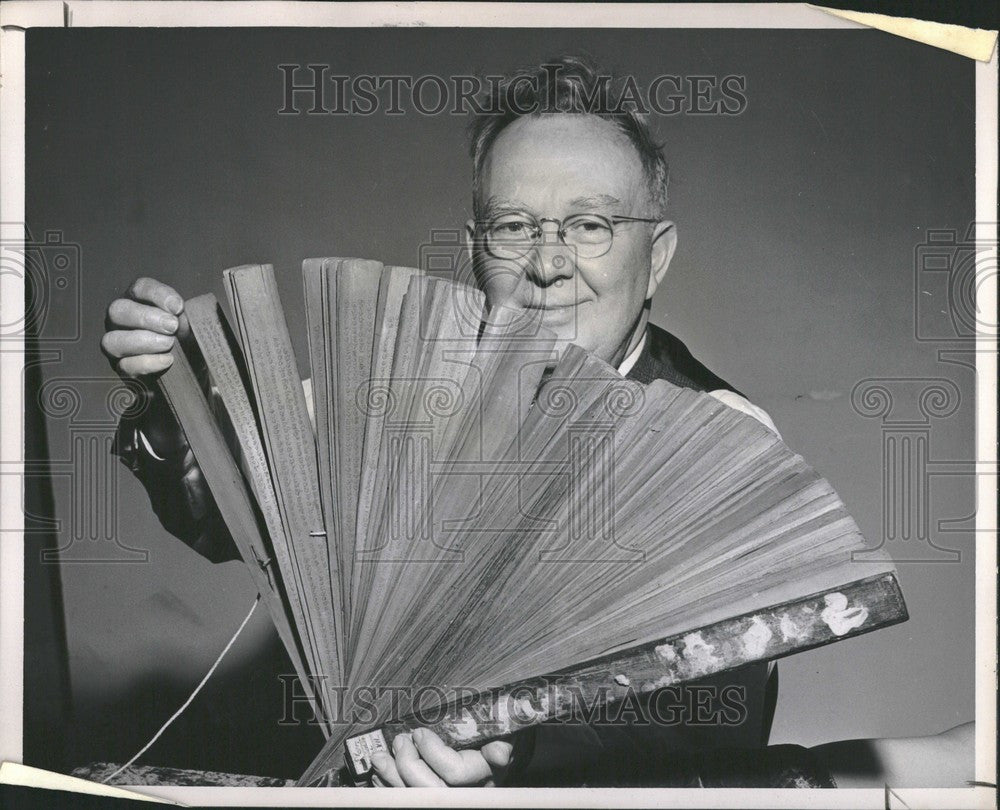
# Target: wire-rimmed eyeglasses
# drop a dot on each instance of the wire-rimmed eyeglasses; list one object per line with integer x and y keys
{"x": 511, "y": 236}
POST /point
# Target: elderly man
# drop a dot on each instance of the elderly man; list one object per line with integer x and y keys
{"x": 574, "y": 199}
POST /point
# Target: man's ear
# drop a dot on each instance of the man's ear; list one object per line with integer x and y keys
{"x": 470, "y": 238}
{"x": 664, "y": 245}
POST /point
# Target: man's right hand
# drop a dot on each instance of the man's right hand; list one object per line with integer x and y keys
{"x": 140, "y": 330}
{"x": 141, "y": 326}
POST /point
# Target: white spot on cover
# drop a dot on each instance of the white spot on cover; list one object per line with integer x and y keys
{"x": 465, "y": 729}
{"x": 756, "y": 637}
{"x": 839, "y": 617}
{"x": 525, "y": 709}
{"x": 665, "y": 652}
{"x": 503, "y": 713}
{"x": 790, "y": 631}
{"x": 699, "y": 654}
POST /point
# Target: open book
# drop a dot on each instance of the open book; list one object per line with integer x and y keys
{"x": 494, "y": 524}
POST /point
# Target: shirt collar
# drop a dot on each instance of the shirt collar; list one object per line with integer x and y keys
{"x": 633, "y": 356}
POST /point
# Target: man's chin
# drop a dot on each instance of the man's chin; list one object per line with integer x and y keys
{"x": 563, "y": 322}
{"x": 564, "y": 340}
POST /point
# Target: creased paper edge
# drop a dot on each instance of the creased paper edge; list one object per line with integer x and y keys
{"x": 975, "y": 43}
{"x": 13, "y": 773}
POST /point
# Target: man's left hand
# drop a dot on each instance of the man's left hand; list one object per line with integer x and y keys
{"x": 421, "y": 759}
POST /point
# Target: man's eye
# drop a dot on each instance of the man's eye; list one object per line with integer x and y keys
{"x": 510, "y": 229}
{"x": 587, "y": 225}
{"x": 588, "y": 229}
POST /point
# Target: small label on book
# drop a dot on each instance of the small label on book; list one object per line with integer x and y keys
{"x": 360, "y": 750}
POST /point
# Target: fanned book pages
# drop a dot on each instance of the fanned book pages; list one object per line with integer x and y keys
{"x": 475, "y": 512}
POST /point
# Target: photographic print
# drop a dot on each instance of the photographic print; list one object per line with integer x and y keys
{"x": 505, "y": 396}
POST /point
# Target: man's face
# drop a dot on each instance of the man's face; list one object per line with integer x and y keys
{"x": 552, "y": 167}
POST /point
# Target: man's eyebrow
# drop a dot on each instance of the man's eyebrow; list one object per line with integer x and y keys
{"x": 501, "y": 205}
{"x": 595, "y": 201}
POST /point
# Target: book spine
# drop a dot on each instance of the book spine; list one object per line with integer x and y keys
{"x": 223, "y": 361}
{"x": 767, "y": 634}
{"x": 185, "y": 398}
{"x": 290, "y": 447}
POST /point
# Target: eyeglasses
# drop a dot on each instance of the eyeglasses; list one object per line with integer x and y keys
{"x": 511, "y": 236}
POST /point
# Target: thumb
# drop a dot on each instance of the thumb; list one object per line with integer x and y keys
{"x": 497, "y": 754}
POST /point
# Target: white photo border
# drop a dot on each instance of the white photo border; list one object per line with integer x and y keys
{"x": 18, "y": 16}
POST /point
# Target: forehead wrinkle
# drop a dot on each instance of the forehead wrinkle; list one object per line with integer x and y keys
{"x": 595, "y": 201}
{"x": 495, "y": 205}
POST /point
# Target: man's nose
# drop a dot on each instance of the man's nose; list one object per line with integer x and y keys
{"x": 551, "y": 259}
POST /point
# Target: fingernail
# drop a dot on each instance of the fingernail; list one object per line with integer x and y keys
{"x": 417, "y": 734}
{"x": 168, "y": 322}
{"x": 175, "y": 304}
{"x": 379, "y": 760}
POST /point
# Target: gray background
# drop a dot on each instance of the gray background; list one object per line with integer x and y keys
{"x": 161, "y": 153}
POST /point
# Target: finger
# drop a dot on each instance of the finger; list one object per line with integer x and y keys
{"x": 385, "y": 769}
{"x": 497, "y": 754}
{"x": 414, "y": 771}
{"x": 130, "y": 342}
{"x": 183, "y": 326}
{"x": 143, "y": 364}
{"x": 157, "y": 293}
{"x": 454, "y": 767}
{"x": 126, "y": 314}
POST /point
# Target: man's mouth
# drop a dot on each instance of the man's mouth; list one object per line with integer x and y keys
{"x": 550, "y": 306}
{"x": 556, "y": 316}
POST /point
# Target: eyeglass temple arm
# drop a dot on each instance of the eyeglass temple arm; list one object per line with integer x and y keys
{"x": 632, "y": 219}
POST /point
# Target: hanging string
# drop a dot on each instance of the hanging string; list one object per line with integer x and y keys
{"x": 194, "y": 694}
